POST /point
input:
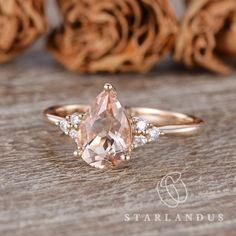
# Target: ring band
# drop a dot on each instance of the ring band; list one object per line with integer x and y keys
{"x": 169, "y": 123}
{"x": 106, "y": 132}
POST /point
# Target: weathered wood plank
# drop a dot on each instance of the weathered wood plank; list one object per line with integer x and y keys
{"x": 44, "y": 190}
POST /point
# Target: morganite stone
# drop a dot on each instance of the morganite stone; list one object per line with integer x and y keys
{"x": 105, "y": 132}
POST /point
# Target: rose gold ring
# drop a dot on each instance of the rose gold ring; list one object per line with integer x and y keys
{"x": 106, "y": 132}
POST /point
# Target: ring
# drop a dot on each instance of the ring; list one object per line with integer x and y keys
{"x": 106, "y": 132}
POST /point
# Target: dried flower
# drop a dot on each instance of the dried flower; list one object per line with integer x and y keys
{"x": 117, "y": 35}
{"x": 21, "y": 22}
{"x": 200, "y": 34}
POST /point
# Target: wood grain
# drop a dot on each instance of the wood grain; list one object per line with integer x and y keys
{"x": 44, "y": 190}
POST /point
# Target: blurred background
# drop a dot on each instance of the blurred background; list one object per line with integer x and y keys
{"x": 157, "y": 53}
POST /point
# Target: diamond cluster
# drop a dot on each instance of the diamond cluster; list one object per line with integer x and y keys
{"x": 143, "y": 132}
{"x": 70, "y": 125}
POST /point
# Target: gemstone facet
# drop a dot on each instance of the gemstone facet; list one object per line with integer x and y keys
{"x": 139, "y": 140}
{"x": 73, "y": 133}
{"x": 64, "y": 125}
{"x": 75, "y": 119}
{"x": 153, "y": 133}
{"x": 105, "y": 133}
{"x": 141, "y": 124}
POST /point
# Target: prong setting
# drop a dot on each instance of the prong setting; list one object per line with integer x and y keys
{"x": 108, "y": 87}
{"x": 77, "y": 153}
{"x": 125, "y": 157}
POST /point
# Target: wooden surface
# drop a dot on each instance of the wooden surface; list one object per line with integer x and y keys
{"x": 44, "y": 190}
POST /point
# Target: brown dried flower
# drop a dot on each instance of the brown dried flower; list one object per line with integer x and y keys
{"x": 226, "y": 39}
{"x": 202, "y": 32}
{"x": 21, "y": 21}
{"x": 117, "y": 35}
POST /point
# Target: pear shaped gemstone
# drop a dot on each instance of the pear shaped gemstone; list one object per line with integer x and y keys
{"x": 105, "y": 134}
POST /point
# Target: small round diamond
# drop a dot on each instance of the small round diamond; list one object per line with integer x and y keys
{"x": 75, "y": 119}
{"x": 64, "y": 126}
{"x": 141, "y": 124}
{"x": 139, "y": 140}
{"x": 73, "y": 133}
{"x": 153, "y": 133}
